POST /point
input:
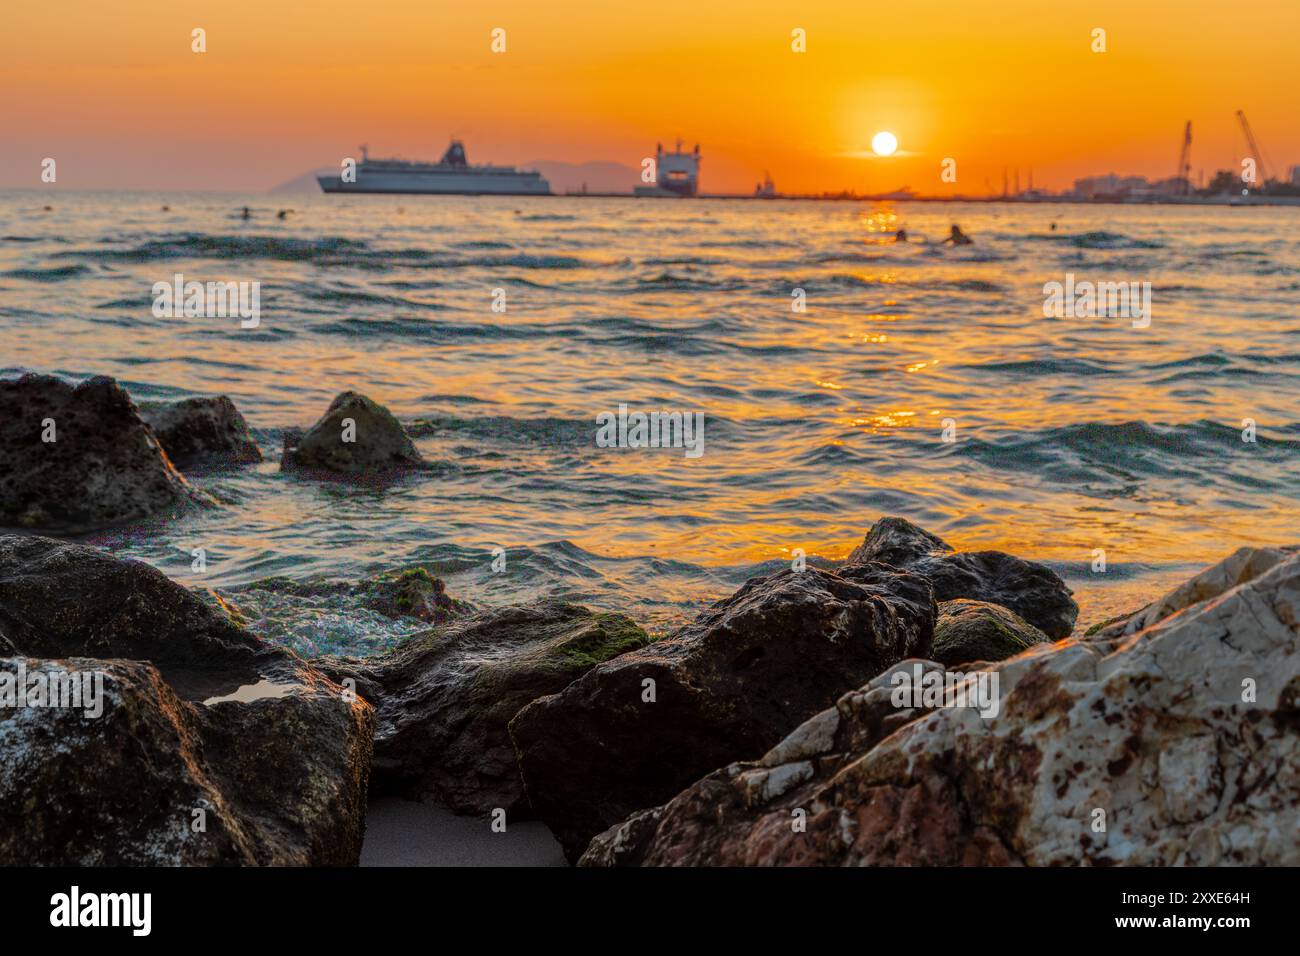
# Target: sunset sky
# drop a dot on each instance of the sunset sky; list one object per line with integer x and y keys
{"x": 113, "y": 92}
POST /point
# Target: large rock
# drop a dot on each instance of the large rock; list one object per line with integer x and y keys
{"x": 1241, "y": 566}
{"x": 966, "y": 631}
{"x": 726, "y": 687}
{"x": 1177, "y": 745}
{"x": 378, "y": 441}
{"x": 445, "y": 699}
{"x": 104, "y": 465}
{"x": 194, "y": 708}
{"x": 1032, "y": 591}
{"x": 715, "y": 819}
{"x": 202, "y": 431}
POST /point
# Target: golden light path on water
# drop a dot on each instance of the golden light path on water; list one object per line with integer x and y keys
{"x": 1070, "y": 434}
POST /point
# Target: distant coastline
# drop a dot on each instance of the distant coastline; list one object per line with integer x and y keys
{"x": 1042, "y": 200}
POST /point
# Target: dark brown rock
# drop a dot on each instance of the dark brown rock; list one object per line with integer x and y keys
{"x": 1031, "y": 590}
{"x": 194, "y": 708}
{"x": 202, "y": 431}
{"x": 380, "y": 442}
{"x": 103, "y": 467}
{"x": 727, "y": 687}
{"x": 445, "y": 698}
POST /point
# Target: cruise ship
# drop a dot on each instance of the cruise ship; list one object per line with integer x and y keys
{"x": 452, "y": 175}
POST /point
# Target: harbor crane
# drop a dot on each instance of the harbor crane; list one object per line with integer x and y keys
{"x": 1255, "y": 151}
{"x": 1184, "y": 175}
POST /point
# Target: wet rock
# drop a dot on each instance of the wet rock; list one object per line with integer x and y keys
{"x": 318, "y": 617}
{"x": 355, "y": 436}
{"x": 1176, "y": 745}
{"x": 103, "y": 465}
{"x": 727, "y": 686}
{"x": 445, "y": 699}
{"x": 195, "y": 709}
{"x": 1032, "y": 591}
{"x": 413, "y": 593}
{"x": 202, "y": 431}
{"x": 742, "y": 791}
{"x": 966, "y": 631}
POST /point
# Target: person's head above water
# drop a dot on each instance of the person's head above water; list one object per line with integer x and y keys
{"x": 957, "y": 237}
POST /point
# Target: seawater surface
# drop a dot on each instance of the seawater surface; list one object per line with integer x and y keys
{"x": 1071, "y": 435}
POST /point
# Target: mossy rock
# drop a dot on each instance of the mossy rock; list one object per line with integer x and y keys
{"x": 446, "y": 697}
{"x": 356, "y": 435}
{"x": 978, "y": 631}
{"x": 413, "y": 593}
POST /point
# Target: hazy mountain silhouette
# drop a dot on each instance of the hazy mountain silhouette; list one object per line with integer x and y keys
{"x": 599, "y": 177}
{"x": 300, "y": 185}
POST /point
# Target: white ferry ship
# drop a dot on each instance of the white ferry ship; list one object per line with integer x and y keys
{"x": 451, "y": 175}
{"x": 677, "y": 173}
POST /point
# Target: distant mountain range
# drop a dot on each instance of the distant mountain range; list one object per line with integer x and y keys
{"x": 300, "y": 185}
{"x": 597, "y": 177}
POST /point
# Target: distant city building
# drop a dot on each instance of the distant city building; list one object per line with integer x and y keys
{"x": 1295, "y": 175}
{"x": 1112, "y": 185}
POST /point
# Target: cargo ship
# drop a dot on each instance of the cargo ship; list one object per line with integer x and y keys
{"x": 451, "y": 175}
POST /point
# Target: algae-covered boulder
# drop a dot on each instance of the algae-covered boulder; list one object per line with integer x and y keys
{"x": 76, "y": 458}
{"x": 202, "y": 431}
{"x": 1031, "y": 590}
{"x": 197, "y": 722}
{"x": 355, "y": 436}
{"x": 968, "y": 631}
{"x": 445, "y": 698}
{"x": 635, "y": 730}
{"x": 411, "y": 593}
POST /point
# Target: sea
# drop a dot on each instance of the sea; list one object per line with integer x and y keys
{"x": 839, "y": 375}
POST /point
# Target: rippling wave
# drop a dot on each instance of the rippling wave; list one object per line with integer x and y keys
{"x": 841, "y": 375}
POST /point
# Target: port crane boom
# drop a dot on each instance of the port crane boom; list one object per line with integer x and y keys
{"x": 1255, "y": 151}
{"x": 1184, "y": 175}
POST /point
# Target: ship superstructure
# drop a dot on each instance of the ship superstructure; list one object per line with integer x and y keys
{"x": 677, "y": 173}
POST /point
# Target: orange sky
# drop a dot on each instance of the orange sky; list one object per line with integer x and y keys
{"x": 114, "y": 94}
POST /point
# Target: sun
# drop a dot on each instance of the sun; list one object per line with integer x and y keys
{"x": 884, "y": 143}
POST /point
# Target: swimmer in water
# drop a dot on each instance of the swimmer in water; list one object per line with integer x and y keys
{"x": 246, "y": 214}
{"x": 957, "y": 237}
{"x": 900, "y": 236}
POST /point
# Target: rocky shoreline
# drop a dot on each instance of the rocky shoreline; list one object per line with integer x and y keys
{"x": 774, "y": 729}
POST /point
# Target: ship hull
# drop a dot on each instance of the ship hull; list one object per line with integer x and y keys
{"x": 435, "y": 184}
